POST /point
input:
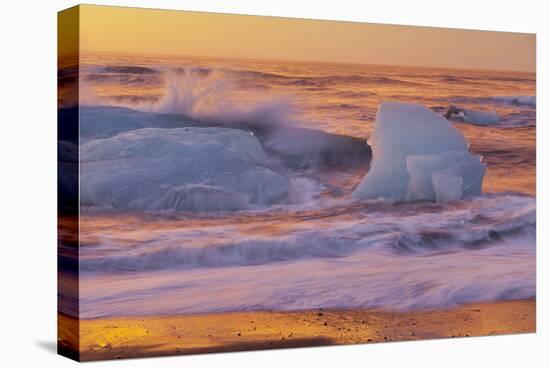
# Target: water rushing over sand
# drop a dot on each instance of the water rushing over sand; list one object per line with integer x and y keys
{"x": 317, "y": 247}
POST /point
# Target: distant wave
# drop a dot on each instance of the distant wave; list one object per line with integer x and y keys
{"x": 512, "y": 79}
{"x": 283, "y": 79}
{"x": 456, "y": 79}
{"x": 125, "y": 79}
{"x": 128, "y": 75}
{"x": 461, "y": 78}
{"x": 489, "y": 117}
{"x": 139, "y": 75}
{"x": 517, "y": 100}
{"x": 528, "y": 101}
{"x": 130, "y": 69}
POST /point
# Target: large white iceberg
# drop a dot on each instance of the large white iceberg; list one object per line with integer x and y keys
{"x": 419, "y": 155}
{"x": 197, "y": 169}
{"x": 444, "y": 177}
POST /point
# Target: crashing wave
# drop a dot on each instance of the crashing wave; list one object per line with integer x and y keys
{"x": 211, "y": 98}
{"x": 488, "y": 222}
{"x": 438, "y": 256}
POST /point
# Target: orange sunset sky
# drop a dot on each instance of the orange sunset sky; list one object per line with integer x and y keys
{"x": 136, "y": 30}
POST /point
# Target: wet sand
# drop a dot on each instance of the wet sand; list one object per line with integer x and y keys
{"x": 189, "y": 334}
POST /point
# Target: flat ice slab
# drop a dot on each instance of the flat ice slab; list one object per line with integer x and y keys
{"x": 419, "y": 155}
{"x": 190, "y": 169}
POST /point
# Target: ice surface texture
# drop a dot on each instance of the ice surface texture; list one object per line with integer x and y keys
{"x": 198, "y": 169}
{"x": 419, "y": 155}
{"x": 481, "y": 117}
{"x": 104, "y": 122}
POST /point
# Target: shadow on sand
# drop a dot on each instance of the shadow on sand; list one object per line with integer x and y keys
{"x": 47, "y": 345}
{"x": 161, "y": 350}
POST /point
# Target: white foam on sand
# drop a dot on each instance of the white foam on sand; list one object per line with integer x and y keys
{"x": 382, "y": 258}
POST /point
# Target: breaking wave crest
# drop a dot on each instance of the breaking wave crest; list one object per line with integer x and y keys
{"x": 211, "y": 98}
{"x": 485, "y": 221}
{"x": 528, "y": 101}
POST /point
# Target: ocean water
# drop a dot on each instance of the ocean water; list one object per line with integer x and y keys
{"x": 320, "y": 248}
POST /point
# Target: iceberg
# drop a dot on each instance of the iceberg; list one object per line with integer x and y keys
{"x": 196, "y": 169}
{"x": 481, "y": 117}
{"x": 444, "y": 177}
{"x": 419, "y": 155}
{"x": 105, "y": 121}
{"x": 472, "y": 116}
{"x": 300, "y": 147}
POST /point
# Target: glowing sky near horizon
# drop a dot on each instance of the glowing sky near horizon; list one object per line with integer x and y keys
{"x": 136, "y": 30}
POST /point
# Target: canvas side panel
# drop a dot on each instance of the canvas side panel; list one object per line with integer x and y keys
{"x": 67, "y": 183}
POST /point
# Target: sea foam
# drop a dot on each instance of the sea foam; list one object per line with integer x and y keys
{"x": 391, "y": 256}
{"x": 213, "y": 98}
